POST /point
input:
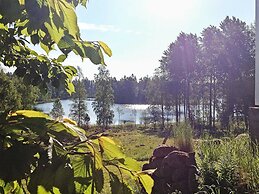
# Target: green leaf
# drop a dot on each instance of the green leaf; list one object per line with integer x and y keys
{"x": 44, "y": 47}
{"x": 30, "y": 114}
{"x": 61, "y": 58}
{"x": 146, "y": 181}
{"x": 118, "y": 187}
{"x": 3, "y": 27}
{"x": 68, "y": 15}
{"x": 93, "y": 54}
{"x": 132, "y": 164}
{"x": 65, "y": 130}
{"x": 70, "y": 88}
{"x": 105, "y": 48}
{"x": 94, "y": 149}
{"x": 82, "y": 172}
{"x": 110, "y": 148}
{"x": 66, "y": 42}
{"x": 56, "y": 34}
{"x": 101, "y": 55}
{"x": 35, "y": 39}
{"x": 98, "y": 180}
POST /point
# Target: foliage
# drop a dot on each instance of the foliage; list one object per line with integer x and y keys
{"x": 228, "y": 165}
{"x": 57, "y": 111}
{"x": 103, "y": 98}
{"x": 42, "y": 155}
{"x": 15, "y": 94}
{"x": 125, "y": 90}
{"x": 206, "y": 75}
{"x": 10, "y": 98}
{"x": 78, "y": 110}
{"x": 50, "y": 24}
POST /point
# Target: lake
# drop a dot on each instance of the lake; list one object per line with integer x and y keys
{"x": 122, "y": 112}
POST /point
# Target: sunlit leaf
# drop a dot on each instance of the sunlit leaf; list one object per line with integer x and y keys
{"x": 146, "y": 181}
{"x": 31, "y": 114}
{"x": 110, "y": 148}
{"x": 56, "y": 34}
{"x": 105, "y": 48}
{"x": 3, "y": 27}
{"x": 69, "y": 16}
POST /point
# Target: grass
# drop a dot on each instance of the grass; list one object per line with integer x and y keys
{"x": 138, "y": 144}
{"x": 229, "y": 166}
{"x": 226, "y": 165}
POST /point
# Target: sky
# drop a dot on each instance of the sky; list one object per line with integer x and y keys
{"x": 138, "y": 31}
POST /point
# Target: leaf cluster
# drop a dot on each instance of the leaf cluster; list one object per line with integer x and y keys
{"x": 40, "y": 155}
{"x": 51, "y": 24}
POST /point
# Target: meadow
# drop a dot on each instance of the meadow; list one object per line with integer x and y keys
{"x": 226, "y": 164}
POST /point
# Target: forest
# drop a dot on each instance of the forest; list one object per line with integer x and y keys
{"x": 195, "y": 137}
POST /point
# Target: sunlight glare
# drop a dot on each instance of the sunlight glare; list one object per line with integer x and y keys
{"x": 176, "y": 10}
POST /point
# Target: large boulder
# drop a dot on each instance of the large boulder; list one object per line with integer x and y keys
{"x": 175, "y": 170}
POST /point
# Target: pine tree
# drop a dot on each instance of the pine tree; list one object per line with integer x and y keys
{"x": 57, "y": 111}
{"x": 78, "y": 110}
{"x": 104, "y": 98}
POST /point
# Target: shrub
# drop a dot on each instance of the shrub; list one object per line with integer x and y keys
{"x": 183, "y": 137}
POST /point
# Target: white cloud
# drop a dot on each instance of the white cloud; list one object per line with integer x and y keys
{"x": 105, "y": 28}
{"x": 98, "y": 27}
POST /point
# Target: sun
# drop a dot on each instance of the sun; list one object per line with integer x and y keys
{"x": 176, "y": 10}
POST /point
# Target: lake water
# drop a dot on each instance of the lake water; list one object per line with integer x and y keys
{"x": 122, "y": 112}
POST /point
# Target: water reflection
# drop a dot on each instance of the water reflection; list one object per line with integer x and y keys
{"x": 122, "y": 112}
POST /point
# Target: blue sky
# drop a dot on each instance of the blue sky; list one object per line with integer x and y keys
{"x": 138, "y": 31}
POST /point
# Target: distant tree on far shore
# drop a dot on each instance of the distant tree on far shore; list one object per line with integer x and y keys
{"x": 78, "y": 110}
{"x": 57, "y": 111}
{"x": 104, "y": 98}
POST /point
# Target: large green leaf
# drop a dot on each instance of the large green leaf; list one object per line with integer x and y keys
{"x": 132, "y": 164}
{"x": 82, "y": 172}
{"x": 92, "y": 53}
{"x": 105, "y": 48}
{"x": 67, "y": 14}
{"x": 67, "y": 43}
{"x": 146, "y": 181}
{"x": 56, "y": 34}
{"x": 110, "y": 148}
{"x": 65, "y": 130}
{"x": 57, "y": 174}
{"x": 30, "y": 114}
{"x": 94, "y": 149}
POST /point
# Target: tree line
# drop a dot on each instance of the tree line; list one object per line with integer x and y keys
{"x": 127, "y": 90}
{"x": 208, "y": 80}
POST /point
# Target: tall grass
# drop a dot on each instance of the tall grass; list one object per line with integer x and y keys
{"x": 183, "y": 138}
{"x": 230, "y": 166}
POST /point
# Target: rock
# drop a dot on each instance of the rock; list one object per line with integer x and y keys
{"x": 175, "y": 170}
{"x": 163, "y": 151}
